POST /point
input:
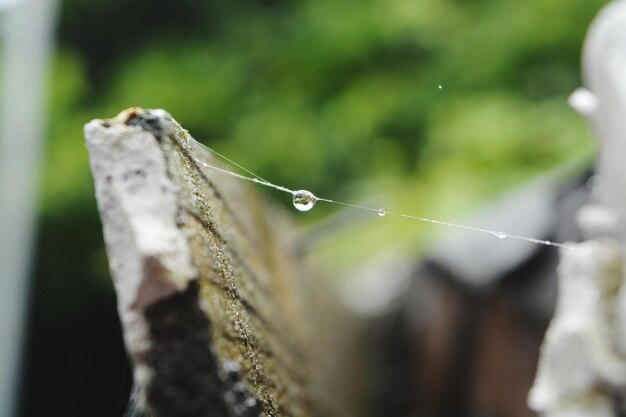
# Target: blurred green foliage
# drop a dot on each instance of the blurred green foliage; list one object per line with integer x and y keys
{"x": 346, "y": 98}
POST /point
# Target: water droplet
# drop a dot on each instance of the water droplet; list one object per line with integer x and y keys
{"x": 381, "y": 212}
{"x": 500, "y": 235}
{"x": 304, "y": 200}
{"x": 440, "y": 86}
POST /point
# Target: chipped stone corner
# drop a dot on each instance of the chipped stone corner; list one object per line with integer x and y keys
{"x": 202, "y": 278}
{"x": 148, "y": 254}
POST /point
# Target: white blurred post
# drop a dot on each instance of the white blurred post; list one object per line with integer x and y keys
{"x": 27, "y": 29}
{"x": 582, "y": 369}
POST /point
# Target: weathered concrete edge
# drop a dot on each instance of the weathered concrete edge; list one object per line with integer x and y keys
{"x": 148, "y": 254}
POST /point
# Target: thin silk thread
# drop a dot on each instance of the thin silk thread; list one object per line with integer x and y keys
{"x": 381, "y": 212}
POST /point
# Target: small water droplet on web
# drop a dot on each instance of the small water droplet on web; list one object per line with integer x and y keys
{"x": 304, "y": 200}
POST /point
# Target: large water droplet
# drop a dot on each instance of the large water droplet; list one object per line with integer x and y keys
{"x": 500, "y": 235}
{"x": 381, "y": 212}
{"x": 304, "y": 200}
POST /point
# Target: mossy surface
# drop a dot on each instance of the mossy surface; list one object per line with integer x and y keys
{"x": 243, "y": 311}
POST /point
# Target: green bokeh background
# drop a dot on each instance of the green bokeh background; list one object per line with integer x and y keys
{"x": 341, "y": 97}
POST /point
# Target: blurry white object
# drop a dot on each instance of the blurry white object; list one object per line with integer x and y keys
{"x": 8, "y": 4}
{"x": 582, "y": 369}
{"x": 579, "y": 354}
{"x": 604, "y": 66}
{"x": 376, "y": 287}
{"x": 27, "y": 27}
{"x": 584, "y": 102}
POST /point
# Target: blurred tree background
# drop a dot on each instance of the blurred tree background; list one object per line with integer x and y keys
{"x": 429, "y": 106}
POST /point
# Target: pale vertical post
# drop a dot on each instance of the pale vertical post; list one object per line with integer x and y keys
{"x": 604, "y": 67}
{"x": 582, "y": 369}
{"x": 26, "y": 40}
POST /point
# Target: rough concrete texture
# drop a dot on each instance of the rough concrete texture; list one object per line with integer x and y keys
{"x": 580, "y": 367}
{"x": 211, "y": 303}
